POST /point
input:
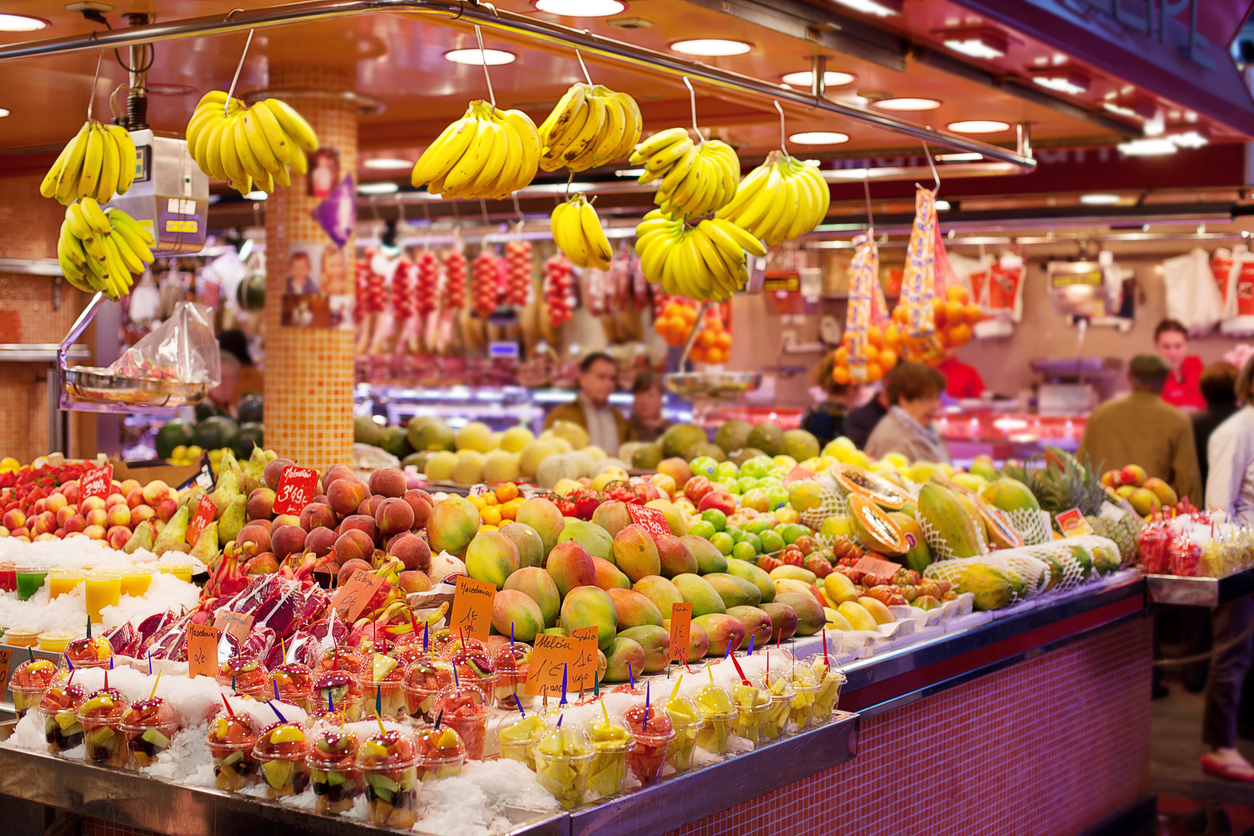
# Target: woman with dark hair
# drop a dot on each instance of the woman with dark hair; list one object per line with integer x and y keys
{"x": 913, "y": 391}
{"x": 646, "y": 407}
{"x": 826, "y": 420}
{"x": 1171, "y": 341}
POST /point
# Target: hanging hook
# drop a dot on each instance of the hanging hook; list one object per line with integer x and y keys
{"x": 692, "y": 97}
{"x": 226, "y": 106}
{"x": 569, "y": 180}
{"x": 483, "y": 56}
{"x": 522, "y": 219}
{"x": 866, "y": 189}
{"x": 483, "y": 209}
{"x": 932, "y": 166}
{"x": 782, "y": 133}
{"x": 587, "y": 77}
{"x": 91, "y": 98}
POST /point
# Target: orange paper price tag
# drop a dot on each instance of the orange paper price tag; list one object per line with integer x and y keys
{"x": 202, "y": 650}
{"x": 205, "y": 512}
{"x": 583, "y": 672}
{"x": 549, "y": 655}
{"x": 877, "y": 566}
{"x": 354, "y": 595}
{"x": 472, "y": 607}
{"x": 238, "y": 624}
{"x": 681, "y": 627}
{"x": 4, "y": 665}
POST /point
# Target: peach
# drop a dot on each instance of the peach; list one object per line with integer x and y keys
{"x": 71, "y": 490}
{"x": 94, "y": 532}
{"x": 64, "y": 514}
{"x": 320, "y": 541}
{"x": 155, "y": 491}
{"x": 388, "y": 481}
{"x": 362, "y": 523}
{"x": 4, "y": 532}
{"x": 136, "y": 498}
{"x": 128, "y": 485}
{"x": 75, "y": 523}
{"x": 421, "y": 502}
{"x": 39, "y": 507}
{"x": 44, "y": 538}
{"x": 394, "y": 516}
{"x": 262, "y": 564}
{"x": 91, "y": 503}
{"x": 117, "y": 536}
{"x": 255, "y": 536}
{"x": 45, "y": 523}
{"x": 14, "y": 518}
{"x": 260, "y": 504}
{"x": 317, "y": 515}
{"x": 413, "y": 580}
{"x": 22, "y": 533}
{"x": 348, "y": 567}
{"x": 119, "y": 515}
{"x": 412, "y": 550}
{"x": 370, "y": 505}
{"x": 274, "y": 472}
{"x": 140, "y": 513}
{"x": 59, "y": 533}
{"x": 98, "y": 516}
{"x": 55, "y": 502}
{"x": 167, "y": 508}
{"x": 335, "y": 471}
{"x": 114, "y": 499}
{"x": 347, "y": 494}
{"x": 354, "y": 544}
{"x": 287, "y": 539}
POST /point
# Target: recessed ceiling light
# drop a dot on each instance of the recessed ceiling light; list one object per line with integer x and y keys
{"x": 819, "y": 138}
{"x": 387, "y": 163}
{"x": 1100, "y": 199}
{"x": 906, "y": 103}
{"x": 964, "y": 157}
{"x": 256, "y": 196}
{"x": 1063, "y": 80}
{"x": 942, "y": 206}
{"x": 831, "y": 79}
{"x": 3, "y": 112}
{"x": 377, "y": 188}
{"x": 21, "y": 23}
{"x": 492, "y": 57}
{"x": 581, "y": 8}
{"x": 711, "y": 47}
{"x": 1151, "y": 147}
{"x": 159, "y": 88}
{"x": 979, "y": 43}
{"x": 979, "y": 126}
{"x": 1191, "y": 139}
{"x": 879, "y": 8}
{"x": 1120, "y": 110}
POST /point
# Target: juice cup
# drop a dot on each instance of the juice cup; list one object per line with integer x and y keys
{"x": 8, "y": 577}
{"x": 179, "y": 569}
{"x": 136, "y": 579}
{"x": 104, "y": 588}
{"x": 21, "y": 638}
{"x": 29, "y": 579}
{"x": 55, "y": 641}
{"x": 61, "y": 581}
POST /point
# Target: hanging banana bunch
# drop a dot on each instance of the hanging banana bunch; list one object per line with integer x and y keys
{"x": 702, "y": 262}
{"x": 779, "y": 200}
{"x": 100, "y": 250}
{"x": 250, "y": 148}
{"x": 696, "y": 178}
{"x": 578, "y": 233}
{"x": 487, "y": 153}
{"x": 592, "y": 125}
{"x": 97, "y": 163}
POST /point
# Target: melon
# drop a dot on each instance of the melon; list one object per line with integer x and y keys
{"x": 733, "y": 435}
{"x": 582, "y": 461}
{"x": 475, "y": 436}
{"x": 801, "y": 445}
{"x": 469, "y": 467}
{"x": 515, "y": 439}
{"x": 767, "y": 437}
{"x": 428, "y": 433}
{"x": 501, "y": 466}
{"x": 647, "y": 457}
{"x": 679, "y": 438}
{"x": 439, "y": 467}
{"x": 533, "y": 453}
{"x": 874, "y": 529}
{"x": 554, "y": 469}
{"x": 572, "y": 432}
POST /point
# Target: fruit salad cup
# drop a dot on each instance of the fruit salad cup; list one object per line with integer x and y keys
{"x": 654, "y": 734}
{"x": 342, "y": 658}
{"x": 686, "y": 722}
{"x": 280, "y": 755}
{"x": 341, "y": 689}
{"x": 293, "y": 682}
{"x": 611, "y": 743}
{"x": 465, "y": 710}
{"x": 29, "y": 682}
{"x": 717, "y": 712}
{"x": 830, "y": 680}
{"x": 148, "y": 727}
{"x": 805, "y": 686}
{"x": 93, "y": 652}
{"x": 383, "y": 687}
{"x": 389, "y": 764}
{"x": 512, "y": 663}
{"x": 563, "y": 760}
{"x": 230, "y": 741}
{"x": 518, "y": 736}
{"x": 247, "y": 676}
{"x": 752, "y": 705}
{"x": 778, "y": 686}
{"x": 332, "y": 761}
{"x": 406, "y": 651}
{"x": 474, "y": 667}
{"x": 59, "y": 707}
{"x": 423, "y": 680}
{"x": 441, "y": 753}
{"x": 442, "y": 641}
{"x": 101, "y": 716}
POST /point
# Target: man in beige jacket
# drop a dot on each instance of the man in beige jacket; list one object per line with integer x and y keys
{"x": 591, "y": 409}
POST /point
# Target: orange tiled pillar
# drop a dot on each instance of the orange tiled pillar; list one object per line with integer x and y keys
{"x": 309, "y": 371}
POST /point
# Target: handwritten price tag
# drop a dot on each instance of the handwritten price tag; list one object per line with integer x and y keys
{"x": 296, "y": 489}
{"x": 877, "y": 566}
{"x": 238, "y": 624}
{"x": 205, "y": 512}
{"x": 548, "y": 656}
{"x": 650, "y": 519}
{"x": 472, "y": 607}
{"x": 1073, "y": 524}
{"x": 583, "y": 671}
{"x": 96, "y": 482}
{"x": 4, "y": 665}
{"x": 354, "y": 595}
{"x": 681, "y": 627}
{"x": 202, "y": 650}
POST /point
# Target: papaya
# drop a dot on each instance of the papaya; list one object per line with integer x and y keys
{"x": 1006, "y": 494}
{"x": 918, "y": 556}
{"x": 948, "y": 527}
{"x": 991, "y": 587}
{"x": 872, "y": 486}
{"x": 873, "y": 528}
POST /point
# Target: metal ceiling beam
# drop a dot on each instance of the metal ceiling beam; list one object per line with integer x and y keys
{"x": 471, "y": 12}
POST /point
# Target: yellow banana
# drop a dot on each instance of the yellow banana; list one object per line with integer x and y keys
{"x": 757, "y": 208}
{"x": 560, "y": 120}
{"x": 213, "y": 141}
{"x": 668, "y": 156}
{"x": 529, "y": 139}
{"x": 598, "y": 245}
{"x": 295, "y": 125}
{"x": 92, "y": 159}
{"x": 127, "y": 158}
{"x": 658, "y": 142}
{"x": 491, "y": 168}
{"x": 129, "y": 257}
{"x": 746, "y": 241}
{"x": 504, "y": 181}
{"x": 680, "y": 169}
{"x": 284, "y": 148}
{"x": 438, "y": 160}
{"x": 780, "y": 218}
{"x": 564, "y": 223}
{"x": 109, "y": 167}
{"x": 71, "y": 169}
{"x": 257, "y": 142}
{"x": 720, "y": 239}
{"x": 252, "y": 166}
{"x": 632, "y": 125}
{"x": 589, "y": 132}
{"x": 120, "y": 219}
{"x": 471, "y": 162}
{"x": 130, "y": 234}
{"x": 611, "y": 136}
{"x": 48, "y": 187}
{"x": 72, "y": 247}
{"x": 555, "y": 142}
{"x": 231, "y": 163}
{"x": 95, "y": 216}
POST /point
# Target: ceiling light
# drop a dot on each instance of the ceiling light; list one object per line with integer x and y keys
{"x": 629, "y": 172}
{"x": 377, "y": 188}
{"x": 1062, "y": 80}
{"x": 1099, "y": 199}
{"x": 964, "y": 157}
{"x": 819, "y": 138}
{"x": 1120, "y": 110}
{"x": 831, "y": 79}
{"x": 980, "y": 43}
{"x": 1147, "y": 147}
{"x": 942, "y": 205}
{"x": 979, "y": 126}
{"x": 1191, "y": 139}
{"x": 491, "y": 57}
{"x": 160, "y": 88}
{"x": 21, "y": 23}
{"x": 4, "y": 111}
{"x": 580, "y": 8}
{"x": 387, "y": 163}
{"x": 906, "y": 103}
{"x": 879, "y": 8}
{"x": 711, "y": 47}
{"x": 256, "y": 196}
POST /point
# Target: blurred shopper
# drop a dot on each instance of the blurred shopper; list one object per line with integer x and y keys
{"x": 1218, "y": 386}
{"x": 1171, "y": 341}
{"x": 646, "y": 407}
{"x": 862, "y": 421}
{"x": 826, "y": 419}
{"x": 961, "y": 380}
{"x": 606, "y": 426}
{"x": 914, "y": 390}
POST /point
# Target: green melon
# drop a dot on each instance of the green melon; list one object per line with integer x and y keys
{"x": 367, "y": 431}
{"x": 428, "y": 433}
{"x": 252, "y": 408}
{"x": 679, "y": 438}
{"x": 217, "y": 432}
{"x": 250, "y": 435}
{"x": 801, "y": 445}
{"x": 767, "y": 437}
{"x": 173, "y": 434}
{"x": 733, "y": 435}
{"x": 647, "y": 457}
{"x": 396, "y": 442}
{"x": 705, "y": 448}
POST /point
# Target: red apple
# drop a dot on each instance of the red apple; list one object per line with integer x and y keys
{"x": 718, "y": 500}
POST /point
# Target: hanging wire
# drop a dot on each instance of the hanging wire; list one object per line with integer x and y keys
{"x": 91, "y": 98}
{"x": 692, "y": 98}
{"x": 587, "y": 77}
{"x": 522, "y": 219}
{"x": 483, "y": 56}
{"x": 932, "y": 166}
{"x": 229, "y": 93}
{"x": 866, "y": 189}
{"x": 782, "y": 133}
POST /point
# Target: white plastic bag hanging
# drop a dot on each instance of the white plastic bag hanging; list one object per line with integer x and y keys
{"x": 1192, "y": 295}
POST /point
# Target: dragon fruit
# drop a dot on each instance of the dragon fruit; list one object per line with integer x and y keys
{"x": 153, "y": 625}
{"x": 124, "y": 639}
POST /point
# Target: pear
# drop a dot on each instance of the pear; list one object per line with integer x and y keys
{"x": 233, "y": 519}
{"x": 141, "y": 538}
{"x": 190, "y": 497}
{"x": 271, "y": 455}
{"x": 206, "y": 548}
{"x": 227, "y": 490}
{"x": 174, "y": 534}
{"x": 229, "y": 465}
{"x": 255, "y": 472}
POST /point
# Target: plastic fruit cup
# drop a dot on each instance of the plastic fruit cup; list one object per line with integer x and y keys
{"x": 149, "y": 736}
{"x": 386, "y": 694}
{"x": 280, "y": 755}
{"x": 104, "y": 588}
{"x": 441, "y": 754}
{"x": 801, "y": 711}
{"x": 686, "y": 726}
{"x": 59, "y": 709}
{"x": 466, "y": 712}
{"x": 609, "y": 762}
{"x": 21, "y": 638}
{"x": 831, "y": 680}
{"x": 54, "y": 641}
{"x": 62, "y": 581}
{"x": 511, "y": 678}
{"x": 179, "y": 569}
{"x": 233, "y": 764}
{"x": 102, "y": 735}
{"x": 29, "y": 579}
{"x": 424, "y": 679}
{"x": 717, "y": 713}
{"x": 341, "y": 690}
{"x": 294, "y": 683}
{"x": 389, "y": 768}
{"x": 518, "y": 736}
{"x": 752, "y": 704}
{"x": 136, "y": 580}
{"x": 29, "y": 682}
{"x": 94, "y": 652}
{"x": 563, "y": 761}
{"x": 333, "y": 769}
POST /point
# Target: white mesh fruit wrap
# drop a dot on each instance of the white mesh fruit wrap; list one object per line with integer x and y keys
{"x": 833, "y": 504}
{"x": 938, "y": 545}
{"x": 951, "y": 571}
{"x": 1031, "y": 525}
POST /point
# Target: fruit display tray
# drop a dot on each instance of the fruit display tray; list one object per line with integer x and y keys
{"x": 90, "y": 383}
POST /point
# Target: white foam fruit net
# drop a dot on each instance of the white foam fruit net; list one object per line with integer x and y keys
{"x": 939, "y": 546}
{"x": 1032, "y": 572}
{"x": 833, "y": 504}
{"x": 1033, "y": 526}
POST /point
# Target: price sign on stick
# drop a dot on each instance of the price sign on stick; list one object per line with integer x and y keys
{"x": 681, "y": 627}
{"x": 650, "y": 519}
{"x": 877, "y": 566}
{"x": 583, "y": 671}
{"x": 296, "y": 489}
{"x": 202, "y": 650}
{"x": 356, "y": 593}
{"x": 472, "y": 607}
{"x": 96, "y": 482}
{"x": 205, "y": 512}
{"x": 238, "y": 624}
{"x": 1073, "y": 524}
{"x": 548, "y": 657}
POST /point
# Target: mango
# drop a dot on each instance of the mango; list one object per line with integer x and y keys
{"x": 857, "y": 616}
{"x": 790, "y": 585}
{"x": 538, "y": 585}
{"x": 612, "y": 515}
{"x": 527, "y": 539}
{"x": 595, "y": 539}
{"x": 558, "y": 631}
{"x": 757, "y": 625}
{"x": 452, "y": 525}
{"x": 735, "y": 592}
{"x": 571, "y": 566}
{"x": 656, "y": 643}
{"x": 877, "y": 609}
{"x": 623, "y": 659}
{"x": 636, "y": 554}
{"x": 723, "y": 630}
{"x": 810, "y": 618}
{"x": 677, "y": 558}
{"x": 709, "y": 558}
{"x": 492, "y": 557}
{"x": 836, "y": 621}
{"x": 544, "y": 517}
{"x": 784, "y": 621}
{"x": 755, "y": 576}
{"x": 675, "y": 519}
{"x": 698, "y": 641}
{"x": 634, "y": 609}
{"x": 514, "y": 609}
{"x": 795, "y": 573}
{"x": 660, "y": 591}
{"x": 839, "y": 589}
{"x": 608, "y": 576}
{"x": 698, "y": 592}
{"x": 588, "y": 606}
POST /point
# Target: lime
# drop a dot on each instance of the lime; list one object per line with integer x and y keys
{"x": 753, "y": 540}
{"x": 701, "y": 528}
{"x": 744, "y": 551}
{"x": 723, "y": 542}
{"x": 771, "y": 541}
{"x": 726, "y": 471}
{"x": 757, "y": 526}
{"x": 715, "y": 518}
{"x": 777, "y": 495}
{"x": 791, "y": 531}
{"x": 704, "y": 466}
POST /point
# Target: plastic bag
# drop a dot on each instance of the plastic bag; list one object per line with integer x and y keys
{"x": 181, "y": 348}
